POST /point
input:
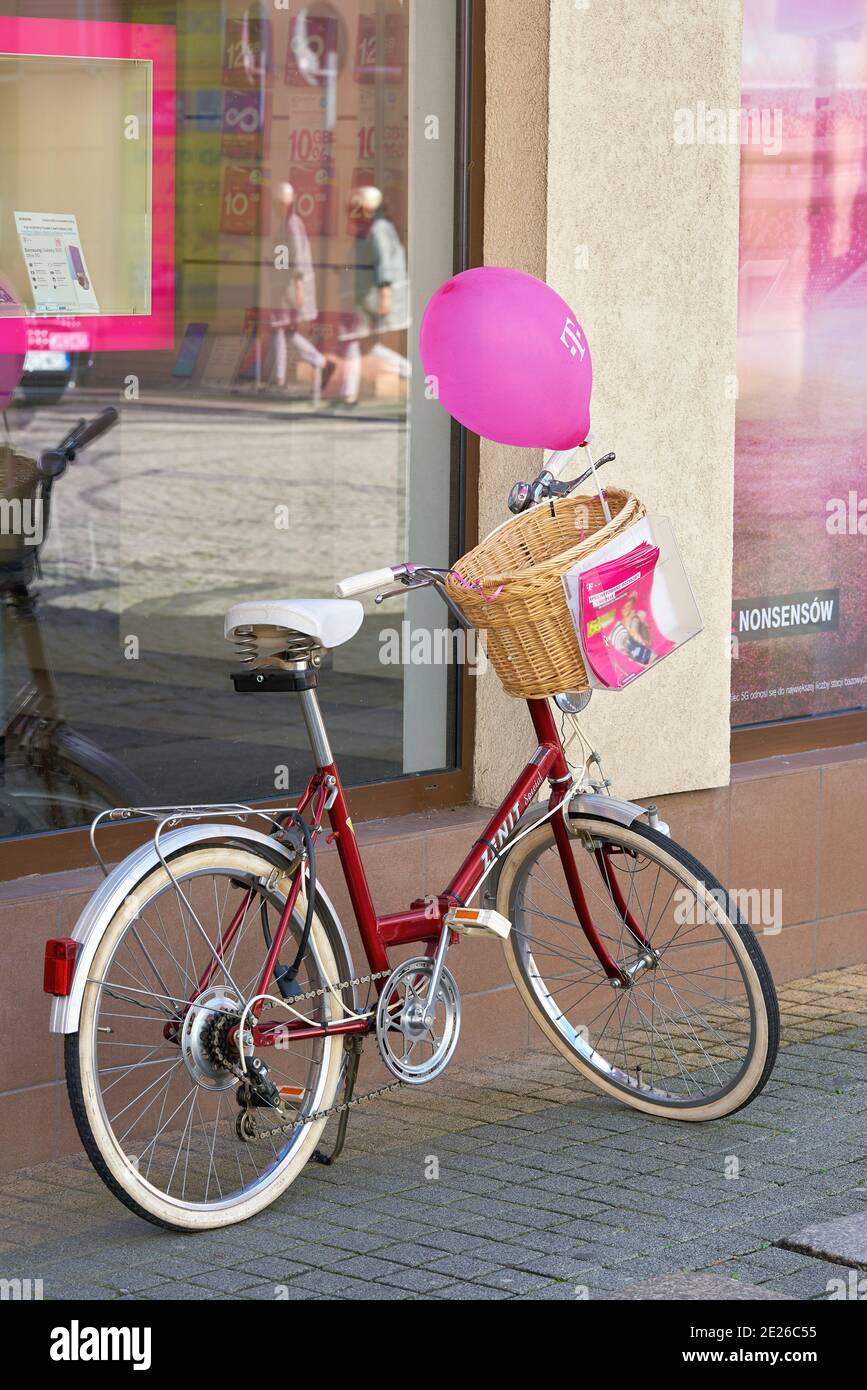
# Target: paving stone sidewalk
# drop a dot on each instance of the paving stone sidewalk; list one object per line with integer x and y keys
{"x": 545, "y": 1190}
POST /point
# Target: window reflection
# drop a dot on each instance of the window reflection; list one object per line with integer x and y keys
{"x": 283, "y": 440}
{"x": 799, "y": 620}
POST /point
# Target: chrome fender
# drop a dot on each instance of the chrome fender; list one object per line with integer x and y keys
{"x": 128, "y": 874}
{"x": 582, "y": 804}
{"x": 611, "y": 808}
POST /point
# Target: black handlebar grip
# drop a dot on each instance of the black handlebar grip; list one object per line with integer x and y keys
{"x": 85, "y": 435}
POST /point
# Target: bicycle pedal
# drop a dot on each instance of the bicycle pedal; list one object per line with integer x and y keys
{"x": 477, "y": 921}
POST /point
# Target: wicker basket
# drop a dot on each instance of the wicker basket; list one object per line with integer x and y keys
{"x": 19, "y": 486}
{"x": 531, "y": 638}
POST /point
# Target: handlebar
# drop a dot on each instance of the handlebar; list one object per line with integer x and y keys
{"x": 558, "y": 461}
{"x": 364, "y": 583}
{"x": 523, "y": 496}
{"x": 86, "y": 433}
{"x": 408, "y": 579}
{"x": 53, "y": 463}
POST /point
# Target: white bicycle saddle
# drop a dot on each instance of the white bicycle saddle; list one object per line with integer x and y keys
{"x": 330, "y": 620}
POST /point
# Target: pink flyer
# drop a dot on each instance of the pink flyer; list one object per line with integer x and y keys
{"x": 618, "y": 631}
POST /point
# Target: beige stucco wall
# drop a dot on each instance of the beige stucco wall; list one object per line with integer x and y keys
{"x": 656, "y": 292}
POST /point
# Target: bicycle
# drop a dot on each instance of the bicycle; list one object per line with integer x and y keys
{"x": 51, "y": 776}
{"x": 214, "y": 947}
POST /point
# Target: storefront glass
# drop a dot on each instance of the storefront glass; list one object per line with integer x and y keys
{"x": 225, "y": 221}
{"x": 800, "y": 574}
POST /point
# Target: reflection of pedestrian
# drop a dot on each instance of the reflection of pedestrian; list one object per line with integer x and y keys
{"x": 290, "y": 295}
{"x": 380, "y": 293}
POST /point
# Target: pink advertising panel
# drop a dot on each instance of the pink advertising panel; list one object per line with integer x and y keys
{"x": 55, "y": 237}
{"x": 799, "y": 619}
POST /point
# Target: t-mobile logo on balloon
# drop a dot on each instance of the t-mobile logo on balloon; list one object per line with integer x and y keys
{"x": 571, "y": 338}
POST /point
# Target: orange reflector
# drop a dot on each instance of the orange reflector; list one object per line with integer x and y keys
{"x": 292, "y": 1092}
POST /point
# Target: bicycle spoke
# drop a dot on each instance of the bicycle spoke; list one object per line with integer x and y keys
{"x": 171, "y": 1101}
{"x": 679, "y": 1029}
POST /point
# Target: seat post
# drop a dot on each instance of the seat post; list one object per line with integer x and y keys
{"x": 315, "y": 725}
{"x": 282, "y": 660}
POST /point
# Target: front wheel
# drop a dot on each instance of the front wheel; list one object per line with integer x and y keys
{"x": 152, "y": 1077}
{"x": 693, "y": 1035}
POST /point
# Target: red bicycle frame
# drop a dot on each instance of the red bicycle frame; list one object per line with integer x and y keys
{"x": 422, "y": 923}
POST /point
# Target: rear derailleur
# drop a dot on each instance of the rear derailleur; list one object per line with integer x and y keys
{"x": 257, "y": 1091}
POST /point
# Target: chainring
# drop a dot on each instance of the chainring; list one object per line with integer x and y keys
{"x": 417, "y": 1044}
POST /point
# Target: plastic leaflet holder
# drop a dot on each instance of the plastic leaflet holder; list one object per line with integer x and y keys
{"x": 631, "y": 603}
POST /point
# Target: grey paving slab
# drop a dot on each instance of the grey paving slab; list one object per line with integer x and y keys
{"x": 271, "y": 1267}
{"x": 695, "y": 1287}
{"x": 226, "y": 1281}
{"x": 553, "y": 1195}
{"x": 186, "y": 1293}
{"x": 843, "y": 1241}
{"x": 463, "y": 1292}
{"x": 291, "y": 1293}
{"x": 515, "y": 1281}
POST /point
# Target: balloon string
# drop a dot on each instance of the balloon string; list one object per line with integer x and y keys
{"x": 476, "y": 587}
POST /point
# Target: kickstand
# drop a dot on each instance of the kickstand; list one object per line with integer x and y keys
{"x": 353, "y": 1046}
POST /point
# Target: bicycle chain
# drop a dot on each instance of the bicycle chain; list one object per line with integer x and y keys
{"x": 332, "y": 1109}
{"x": 327, "y": 1113}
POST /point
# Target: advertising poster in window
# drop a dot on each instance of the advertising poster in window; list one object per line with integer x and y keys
{"x": 799, "y": 621}
{"x": 89, "y": 254}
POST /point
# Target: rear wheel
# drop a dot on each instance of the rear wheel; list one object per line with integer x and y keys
{"x": 693, "y": 1035}
{"x": 151, "y": 1073}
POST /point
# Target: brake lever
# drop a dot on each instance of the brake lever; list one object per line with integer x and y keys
{"x": 400, "y": 590}
{"x": 588, "y": 472}
{"x": 526, "y": 495}
{"x": 434, "y": 581}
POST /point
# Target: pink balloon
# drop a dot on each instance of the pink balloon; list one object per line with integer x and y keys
{"x": 13, "y": 341}
{"x": 510, "y": 359}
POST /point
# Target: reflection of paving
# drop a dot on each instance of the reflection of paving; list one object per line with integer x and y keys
{"x": 545, "y": 1190}
{"x": 165, "y": 524}
{"x": 182, "y": 729}
{"x": 187, "y": 508}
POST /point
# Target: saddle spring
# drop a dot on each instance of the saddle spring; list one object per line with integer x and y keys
{"x": 276, "y": 646}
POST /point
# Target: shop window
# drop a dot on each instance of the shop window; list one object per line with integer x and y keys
{"x": 224, "y": 220}
{"x": 799, "y": 621}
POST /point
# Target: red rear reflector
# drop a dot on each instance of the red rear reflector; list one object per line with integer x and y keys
{"x": 59, "y": 964}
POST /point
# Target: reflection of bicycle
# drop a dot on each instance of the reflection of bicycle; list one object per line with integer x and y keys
{"x": 213, "y": 1015}
{"x": 51, "y": 777}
